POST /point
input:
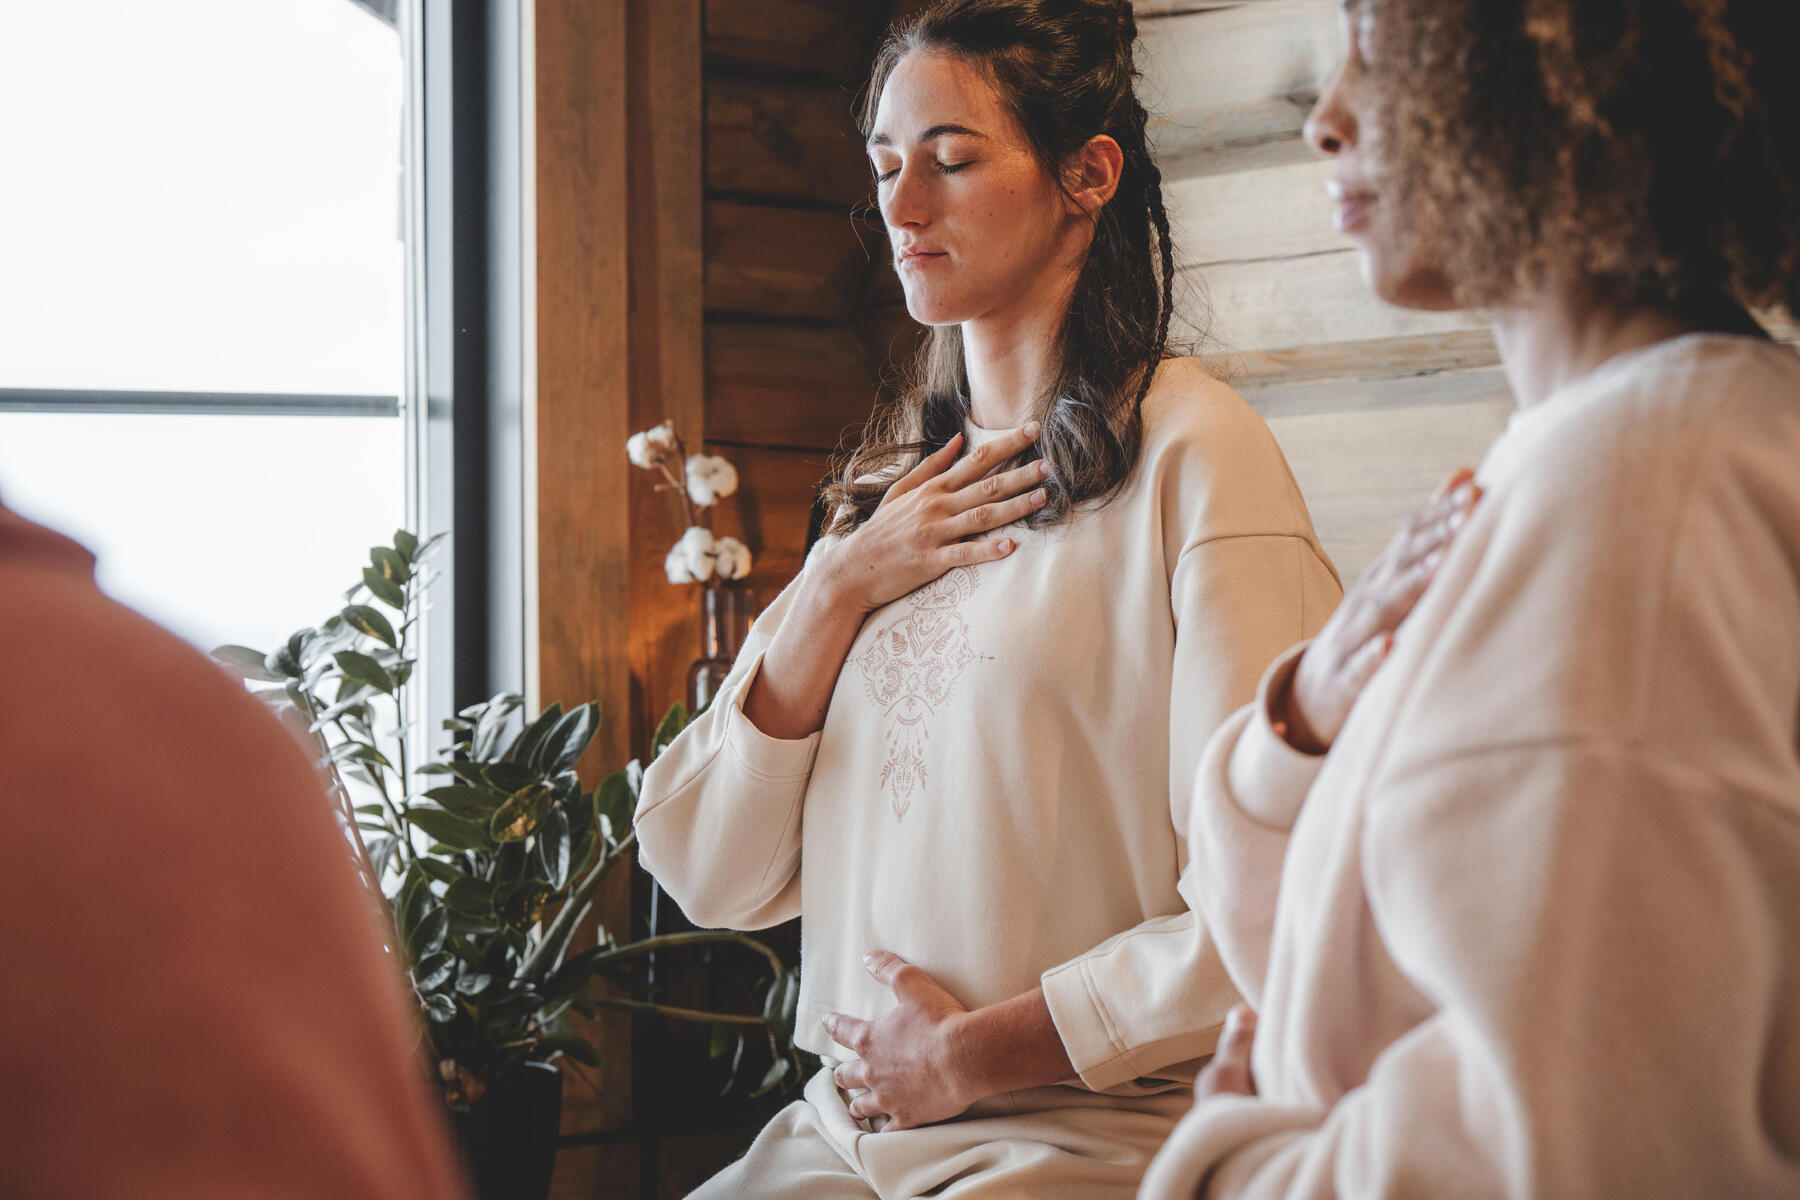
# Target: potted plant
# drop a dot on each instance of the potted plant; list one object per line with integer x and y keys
{"x": 487, "y": 858}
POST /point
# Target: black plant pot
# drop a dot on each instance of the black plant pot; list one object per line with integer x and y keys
{"x": 510, "y": 1135}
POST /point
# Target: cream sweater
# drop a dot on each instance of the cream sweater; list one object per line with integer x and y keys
{"x": 1537, "y": 930}
{"x": 1000, "y": 789}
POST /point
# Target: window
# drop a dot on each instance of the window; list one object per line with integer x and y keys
{"x": 202, "y": 298}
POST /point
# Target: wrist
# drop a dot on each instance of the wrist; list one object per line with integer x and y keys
{"x": 968, "y": 1058}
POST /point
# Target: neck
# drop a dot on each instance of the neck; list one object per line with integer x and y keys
{"x": 1563, "y": 333}
{"x": 1011, "y": 359}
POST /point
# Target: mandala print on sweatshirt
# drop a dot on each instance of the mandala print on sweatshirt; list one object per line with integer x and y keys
{"x": 911, "y": 668}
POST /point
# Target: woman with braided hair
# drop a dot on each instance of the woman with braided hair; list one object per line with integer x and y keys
{"x": 1537, "y": 924}
{"x": 961, "y": 744}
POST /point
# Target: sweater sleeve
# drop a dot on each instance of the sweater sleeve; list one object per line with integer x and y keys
{"x": 1559, "y": 1060}
{"x": 718, "y": 819}
{"x": 1156, "y": 995}
{"x": 1247, "y": 797}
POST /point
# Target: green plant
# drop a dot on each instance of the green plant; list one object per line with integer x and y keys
{"x": 489, "y": 856}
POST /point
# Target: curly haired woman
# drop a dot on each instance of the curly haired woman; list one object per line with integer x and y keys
{"x": 1537, "y": 925}
{"x": 961, "y": 744}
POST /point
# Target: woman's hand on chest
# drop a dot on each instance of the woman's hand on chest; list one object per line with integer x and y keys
{"x": 932, "y": 520}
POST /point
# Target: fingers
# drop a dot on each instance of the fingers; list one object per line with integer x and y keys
{"x": 987, "y": 517}
{"x": 1229, "y": 1071}
{"x": 994, "y": 488}
{"x": 932, "y": 465}
{"x": 1361, "y": 666}
{"x": 864, "y": 1107}
{"x": 1457, "y": 478}
{"x": 852, "y": 1076}
{"x": 848, "y": 1032}
{"x": 981, "y": 460}
{"x": 885, "y": 966}
{"x": 969, "y": 554}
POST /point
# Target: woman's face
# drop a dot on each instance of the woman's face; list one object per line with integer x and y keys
{"x": 1400, "y": 255}
{"x": 979, "y": 228}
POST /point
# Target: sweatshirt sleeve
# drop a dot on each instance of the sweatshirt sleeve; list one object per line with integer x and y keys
{"x": 1247, "y": 796}
{"x": 718, "y": 819}
{"x": 1560, "y": 1060}
{"x": 1156, "y": 995}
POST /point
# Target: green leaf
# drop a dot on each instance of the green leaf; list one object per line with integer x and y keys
{"x": 521, "y": 904}
{"x": 406, "y": 544}
{"x": 773, "y": 1078}
{"x": 565, "y": 744}
{"x": 583, "y": 857}
{"x": 508, "y": 777}
{"x": 247, "y": 664}
{"x": 475, "y": 803}
{"x": 720, "y": 1041}
{"x": 471, "y": 985}
{"x": 470, "y": 897}
{"x": 614, "y": 803}
{"x": 554, "y": 846}
{"x": 391, "y": 563}
{"x": 441, "y": 871}
{"x": 459, "y": 833}
{"x": 673, "y": 722}
{"x": 440, "y": 1008}
{"x": 427, "y": 937}
{"x": 522, "y": 813}
{"x": 384, "y": 589}
{"x": 367, "y": 620}
{"x": 524, "y": 748}
{"x": 433, "y": 971}
{"x": 573, "y": 1045}
{"x": 364, "y": 671}
{"x": 360, "y": 752}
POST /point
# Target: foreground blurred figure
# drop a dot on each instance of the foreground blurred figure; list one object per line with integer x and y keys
{"x": 1537, "y": 929}
{"x": 196, "y": 1003}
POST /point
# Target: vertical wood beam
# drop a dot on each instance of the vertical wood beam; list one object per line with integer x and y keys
{"x": 619, "y": 124}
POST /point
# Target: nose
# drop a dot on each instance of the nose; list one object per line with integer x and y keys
{"x": 1331, "y": 126}
{"x": 904, "y": 206}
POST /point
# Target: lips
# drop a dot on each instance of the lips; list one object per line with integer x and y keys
{"x": 915, "y": 257}
{"x": 1353, "y": 206}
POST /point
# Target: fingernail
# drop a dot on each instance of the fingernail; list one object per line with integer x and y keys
{"x": 1431, "y": 561}
{"x": 1043, "y": 468}
{"x": 1039, "y": 497}
{"x": 1457, "y": 518}
{"x": 1006, "y": 545}
{"x": 869, "y": 959}
{"x": 1032, "y": 429}
{"x": 1463, "y": 495}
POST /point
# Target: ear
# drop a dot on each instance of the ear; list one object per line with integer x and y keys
{"x": 1092, "y": 175}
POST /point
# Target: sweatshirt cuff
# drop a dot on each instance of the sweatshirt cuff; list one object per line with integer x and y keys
{"x": 770, "y": 758}
{"x": 1269, "y": 778}
{"x": 1082, "y": 1024}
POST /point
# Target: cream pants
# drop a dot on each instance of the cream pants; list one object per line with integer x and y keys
{"x": 1054, "y": 1143}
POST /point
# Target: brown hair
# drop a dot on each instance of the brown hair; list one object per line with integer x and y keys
{"x": 1064, "y": 69}
{"x": 1652, "y": 145}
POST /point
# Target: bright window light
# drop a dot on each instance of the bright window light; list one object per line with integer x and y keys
{"x": 205, "y": 198}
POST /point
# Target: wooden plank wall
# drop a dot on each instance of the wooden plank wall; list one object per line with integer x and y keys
{"x": 1372, "y": 405}
{"x": 791, "y": 363}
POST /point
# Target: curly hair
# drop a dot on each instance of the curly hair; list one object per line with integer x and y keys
{"x": 1064, "y": 69}
{"x": 1638, "y": 142}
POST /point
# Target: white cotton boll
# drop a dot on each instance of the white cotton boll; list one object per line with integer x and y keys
{"x": 731, "y": 558}
{"x": 652, "y": 447}
{"x": 710, "y": 479}
{"x": 691, "y": 560}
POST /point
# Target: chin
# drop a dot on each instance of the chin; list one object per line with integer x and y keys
{"x": 1404, "y": 282}
{"x": 931, "y": 310}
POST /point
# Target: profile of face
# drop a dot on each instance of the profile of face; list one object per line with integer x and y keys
{"x": 1400, "y": 252}
{"x": 978, "y": 226}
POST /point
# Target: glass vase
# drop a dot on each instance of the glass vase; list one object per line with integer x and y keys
{"x": 725, "y": 619}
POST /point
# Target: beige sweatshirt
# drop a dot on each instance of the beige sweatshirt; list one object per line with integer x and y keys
{"x": 1000, "y": 789}
{"x": 1537, "y": 930}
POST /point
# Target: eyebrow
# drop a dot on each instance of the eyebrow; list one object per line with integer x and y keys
{"x": 936, "y": 131}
